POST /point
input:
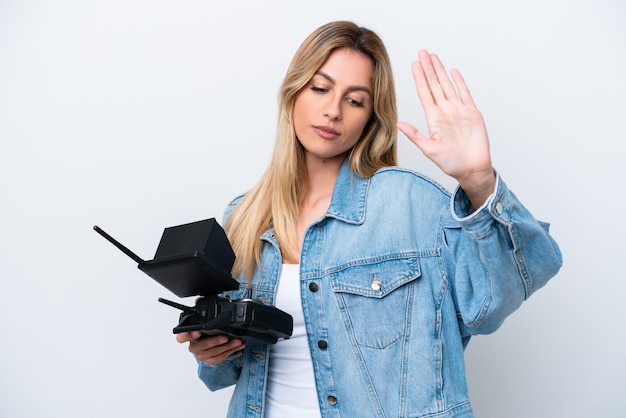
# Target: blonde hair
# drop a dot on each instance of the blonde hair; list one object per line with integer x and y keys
{"x": 275, "y": 200}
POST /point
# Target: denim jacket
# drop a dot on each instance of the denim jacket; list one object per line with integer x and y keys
{"x": 395, "y": 278}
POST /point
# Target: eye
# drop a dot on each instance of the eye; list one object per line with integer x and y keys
{"x": 355, "y": 102}
{"x": 318, "y": 89}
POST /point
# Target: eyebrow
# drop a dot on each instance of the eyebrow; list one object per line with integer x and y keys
{"x": 351, "y": 88}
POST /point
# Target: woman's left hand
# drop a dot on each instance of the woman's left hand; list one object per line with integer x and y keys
{"x": 457, "y": 140}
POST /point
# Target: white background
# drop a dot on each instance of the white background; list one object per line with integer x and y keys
{"x": 137, "y": 115}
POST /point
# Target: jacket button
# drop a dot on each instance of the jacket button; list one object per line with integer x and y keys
{"x": 331, "y": 400}
{"x": 499, "y": 205}
{"x": 313, "y": 287}
{"x": 322, "y": 344}
{"x": 499, "y": 208}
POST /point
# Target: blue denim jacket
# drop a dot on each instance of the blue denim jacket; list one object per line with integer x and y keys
{"x": 395, "y": 278}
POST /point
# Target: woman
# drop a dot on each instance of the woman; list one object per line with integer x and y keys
{"x": 386, "y": 274}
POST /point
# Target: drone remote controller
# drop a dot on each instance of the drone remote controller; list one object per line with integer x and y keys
{"x": 195, "y": 259}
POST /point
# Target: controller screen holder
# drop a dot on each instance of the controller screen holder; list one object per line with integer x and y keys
{"x": 192, "y": 259}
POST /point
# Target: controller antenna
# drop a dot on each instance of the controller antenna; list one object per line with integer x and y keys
{"x": 184, "y": 308}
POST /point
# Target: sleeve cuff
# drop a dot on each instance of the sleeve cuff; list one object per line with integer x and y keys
{"x": 478, "y": 222}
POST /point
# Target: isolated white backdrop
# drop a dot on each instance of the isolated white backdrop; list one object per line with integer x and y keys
{"x": 137, "y": 115}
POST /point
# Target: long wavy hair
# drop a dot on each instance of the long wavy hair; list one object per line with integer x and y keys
{"x": 276, "y": 198}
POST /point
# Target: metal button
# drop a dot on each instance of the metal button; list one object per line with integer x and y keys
{"x": 313, "y": 287}
{"x": 376, "y": 284}
{"x": 499, "y": 205}
{"x": 331, "y": 400}
{"x": 322, "y": 344}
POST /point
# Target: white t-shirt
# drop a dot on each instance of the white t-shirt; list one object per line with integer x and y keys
{"x": 290, "y": 382}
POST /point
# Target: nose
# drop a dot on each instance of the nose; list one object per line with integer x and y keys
{"x": 333, "y": 109}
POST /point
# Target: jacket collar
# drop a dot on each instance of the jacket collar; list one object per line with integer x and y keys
{"x": 349, "y": 196}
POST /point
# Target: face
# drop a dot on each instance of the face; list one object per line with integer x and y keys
{"x": 331, "y": 112}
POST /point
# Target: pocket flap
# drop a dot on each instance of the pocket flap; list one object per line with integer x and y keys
{"x": 375, "y": 278}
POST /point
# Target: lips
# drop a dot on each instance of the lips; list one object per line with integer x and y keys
{"x": 325, "y": 132}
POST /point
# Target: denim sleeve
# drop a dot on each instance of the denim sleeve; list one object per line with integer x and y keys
{"x": 494, "y": 257}
{"x": 221, "y": 375}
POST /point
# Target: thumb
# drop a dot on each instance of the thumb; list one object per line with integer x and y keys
{"x": 412, "y": 133}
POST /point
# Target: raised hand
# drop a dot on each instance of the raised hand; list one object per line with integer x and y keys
{"x": 457, "y": 140}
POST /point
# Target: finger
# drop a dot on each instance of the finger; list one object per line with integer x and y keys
{"x": 220, "y": 353}
{"x": 412, "y": 133}
{"x": 442, "y": 76}
{"x": 432, "y": 80}
{"x": 219, "y": 359}
{"x": 421, "y": 86}
{"x": 207, "y": 343}
{"x": 464, "y": 93}
{"x": 184, "y": 337}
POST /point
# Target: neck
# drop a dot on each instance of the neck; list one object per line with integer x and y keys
{"x": 322, "y": 175}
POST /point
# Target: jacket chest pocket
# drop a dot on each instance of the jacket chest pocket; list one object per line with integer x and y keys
{"x": 374, "y": 299}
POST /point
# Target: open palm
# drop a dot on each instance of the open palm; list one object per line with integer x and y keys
{"x": 457, "y": 140}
